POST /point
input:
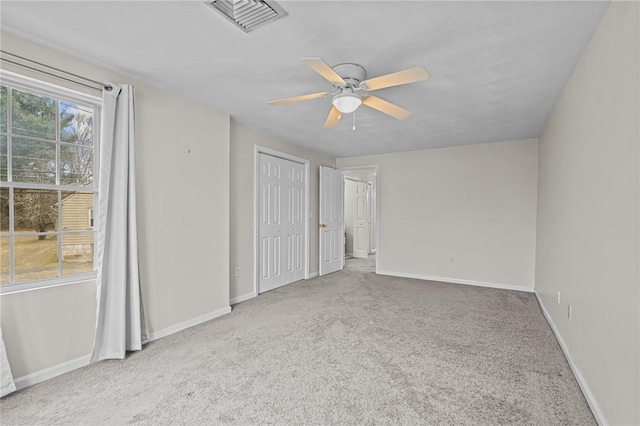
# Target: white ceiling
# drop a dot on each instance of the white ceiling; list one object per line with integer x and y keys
{"x": 496, "y": 67}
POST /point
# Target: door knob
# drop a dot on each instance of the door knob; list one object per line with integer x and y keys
{"x": 322, "y": 225}
{"x": 277, "y": 230}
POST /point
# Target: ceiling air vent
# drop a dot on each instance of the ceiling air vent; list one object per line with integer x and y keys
{"x": 248, "y": 14}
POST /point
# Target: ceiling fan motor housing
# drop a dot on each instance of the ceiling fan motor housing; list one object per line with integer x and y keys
{"x": 352, "y": 74}
{"x": 350, "y": 81}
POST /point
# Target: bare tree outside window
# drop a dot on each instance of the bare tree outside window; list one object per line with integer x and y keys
{"x": 35, "y": 209}
{"x": 47, "y": 172}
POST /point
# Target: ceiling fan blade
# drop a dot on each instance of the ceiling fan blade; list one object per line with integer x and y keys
{"x": 297, "y": 99}
{"x": 321, "y": 67}
{"x": 332, "y": 119}
{"x": 386, "y": 107}
{"x": 396, "y": 79}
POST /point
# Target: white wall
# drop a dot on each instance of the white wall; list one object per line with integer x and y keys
{"x": 47, "y": 327}
{"x": 183, "y": 216}
{"x": 243, "y": 142}
{"x": 474, "y": 203}
{"x": 588, "y": 213}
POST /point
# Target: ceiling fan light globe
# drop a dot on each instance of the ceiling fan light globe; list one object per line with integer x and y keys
{"x": 347, "y": 102}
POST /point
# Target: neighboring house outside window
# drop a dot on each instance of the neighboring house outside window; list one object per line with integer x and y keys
{"x": 74, "y": 217}
{"x": 48, "y": 183}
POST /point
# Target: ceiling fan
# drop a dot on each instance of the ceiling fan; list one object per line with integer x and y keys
{"x": 349, "y": 80}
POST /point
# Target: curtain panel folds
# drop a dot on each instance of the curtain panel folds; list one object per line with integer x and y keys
{"x": 120, "y": 318}
{"x": 6, "y": 378}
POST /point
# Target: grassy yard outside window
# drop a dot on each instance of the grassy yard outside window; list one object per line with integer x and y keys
{"x": 48, "y": 184}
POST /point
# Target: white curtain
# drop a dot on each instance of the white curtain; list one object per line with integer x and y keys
{"x": 120, "y": 318}
{"x": 6, "y": 377}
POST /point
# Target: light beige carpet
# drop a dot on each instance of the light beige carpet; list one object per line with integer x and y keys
{"x": 348, "y": 348}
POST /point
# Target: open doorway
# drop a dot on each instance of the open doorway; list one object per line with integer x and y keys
{"x": 361, "y": 217}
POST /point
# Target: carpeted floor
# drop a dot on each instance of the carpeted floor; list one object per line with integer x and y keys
{"x": 348, "y": 348}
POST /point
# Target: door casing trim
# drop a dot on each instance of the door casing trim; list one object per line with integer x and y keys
{"x": 259, "y": 149}
{"x": 375, "y": 167}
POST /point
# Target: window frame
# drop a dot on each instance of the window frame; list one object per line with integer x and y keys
{"x": 91, "y": 218}
{"x": 59, "y": 93}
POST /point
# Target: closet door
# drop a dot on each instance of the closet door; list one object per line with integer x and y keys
{"x": 281, "y": 222}
{"x": 294, "y": 229}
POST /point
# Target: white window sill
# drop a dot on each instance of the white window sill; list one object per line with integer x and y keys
{"x": 47, "y": 283}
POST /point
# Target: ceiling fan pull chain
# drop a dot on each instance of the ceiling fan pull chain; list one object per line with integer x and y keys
{"x": 348, "y": 79}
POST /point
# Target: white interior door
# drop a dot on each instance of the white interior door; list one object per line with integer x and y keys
{"x": 281, "y": 222}
{"x": 372, "y": 216}
{"x": 331, "y": 220}
{"x": 362, "y": 225}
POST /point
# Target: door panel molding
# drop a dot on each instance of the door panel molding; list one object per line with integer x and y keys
{"x": 362, "y": 221}
{"x": 294, "y": 213}
{"x": 376, "y": 225}
{"x": 331, "y": 220}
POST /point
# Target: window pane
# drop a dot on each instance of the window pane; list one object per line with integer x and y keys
{"x": 77, "y": 208}
{"x": 33, "y": 161}
{"x": 4, "y": 210}
{"x": 3, "y": 109}
{"x": 33, "y": 115}
{"x": 35, "y": 210}
{"x": 77, "y": 253}
{"x": 76, "y": 123}
{"x": 36, "y": 257}
{"x": 76, "y": 165}
{"x": 4, "y": 260}
{"x": 3, "y": 158}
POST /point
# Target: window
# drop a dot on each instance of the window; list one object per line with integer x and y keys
{"x": 90, "y": 218}
{"x": 48, "y": 151}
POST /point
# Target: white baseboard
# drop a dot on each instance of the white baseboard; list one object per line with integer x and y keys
{"x": 313, "y": 274}
{"x": 51, "y": 372}
{"x": 456, "y": 281}
{"x": 242, "y": 298}
{"x": 186, "y": 324}
{"x": 67, "y": 366}
{"x": 591, "y": 400}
